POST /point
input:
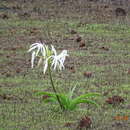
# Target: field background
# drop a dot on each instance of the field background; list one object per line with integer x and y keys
{"x": 104, "y": 53}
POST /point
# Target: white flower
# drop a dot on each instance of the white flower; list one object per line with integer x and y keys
{"x": 57, "y": 60}
{"x": 41, "y": 48}
{"x": 37, "y": 49}
{"x": 49, "y": 57}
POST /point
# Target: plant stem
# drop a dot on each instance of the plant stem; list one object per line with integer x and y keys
{"x": 58, "y": 99}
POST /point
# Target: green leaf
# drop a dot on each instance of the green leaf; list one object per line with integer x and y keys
{"x": 64, "y": 100}
{"x": 88, "y": 95}
{"x": 46, "y": 93}
{"x": 50, "y": 99}
{"x": 67, "y": 101}
{"x": 71, "y": 92}
{"x": 75, "y": 102}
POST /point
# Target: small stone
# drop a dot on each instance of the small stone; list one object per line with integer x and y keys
{"x": 68, "y": 124}
{"x": 18, "y": 70}
{"x": 85, "y": 122}
{"x": 71, "y": 68}
{"x": 88, "y": 74}
{"x": 78, "y": 38}
{"x": 73, "y": 31}
{"x": 7, "y": 56}
{"x": 4, "y": 16}
{"x": 82, "y": 43}
{"x": 115, "y": 100}
{"x": 104, "y": 48}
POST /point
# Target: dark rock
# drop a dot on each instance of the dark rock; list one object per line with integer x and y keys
{"x": 78, "y": 38}
{"x": 82, "y": 43}
{"x": 88, "y": 74}
{"x": 115, "y": 100}
{"x": 85, "y": 122}
{"x": 120, "y": 12}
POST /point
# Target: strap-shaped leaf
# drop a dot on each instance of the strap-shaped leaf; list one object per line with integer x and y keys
{"x": 71, "y": 92}
{"x": 46, "y": 93}
{"x": 64, "y": 100}
{"x": 76, "y": 102}
{"x": 88, "y": 95}
{"x": 50, "y": 99}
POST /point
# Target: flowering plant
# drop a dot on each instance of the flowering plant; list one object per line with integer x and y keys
{"x": 51, "y": 60}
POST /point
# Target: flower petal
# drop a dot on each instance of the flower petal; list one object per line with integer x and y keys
{"x": 54, "y": 50}
{"x": 43, "y": 51}
{"x": 61, "y": 65}
{"x": 32, "y": 48}
{"x": 34, "y": 44}
{"x": 32, "y": 60}
{"x": 38, "y": 51}
{"x": 46, "y": 65}
{"x": 39, "y": 62}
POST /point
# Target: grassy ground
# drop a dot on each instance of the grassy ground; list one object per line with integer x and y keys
{"x": 105, "y": 54}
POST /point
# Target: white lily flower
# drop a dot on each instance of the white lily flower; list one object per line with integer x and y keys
{"x": 58, "y": 60}
{"x": 37, "y": 49}
{"x": 40, "y": 48}
{"x": 45, "y": 54}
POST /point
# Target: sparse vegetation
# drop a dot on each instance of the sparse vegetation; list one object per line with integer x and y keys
{"x": 98, "y": 63}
